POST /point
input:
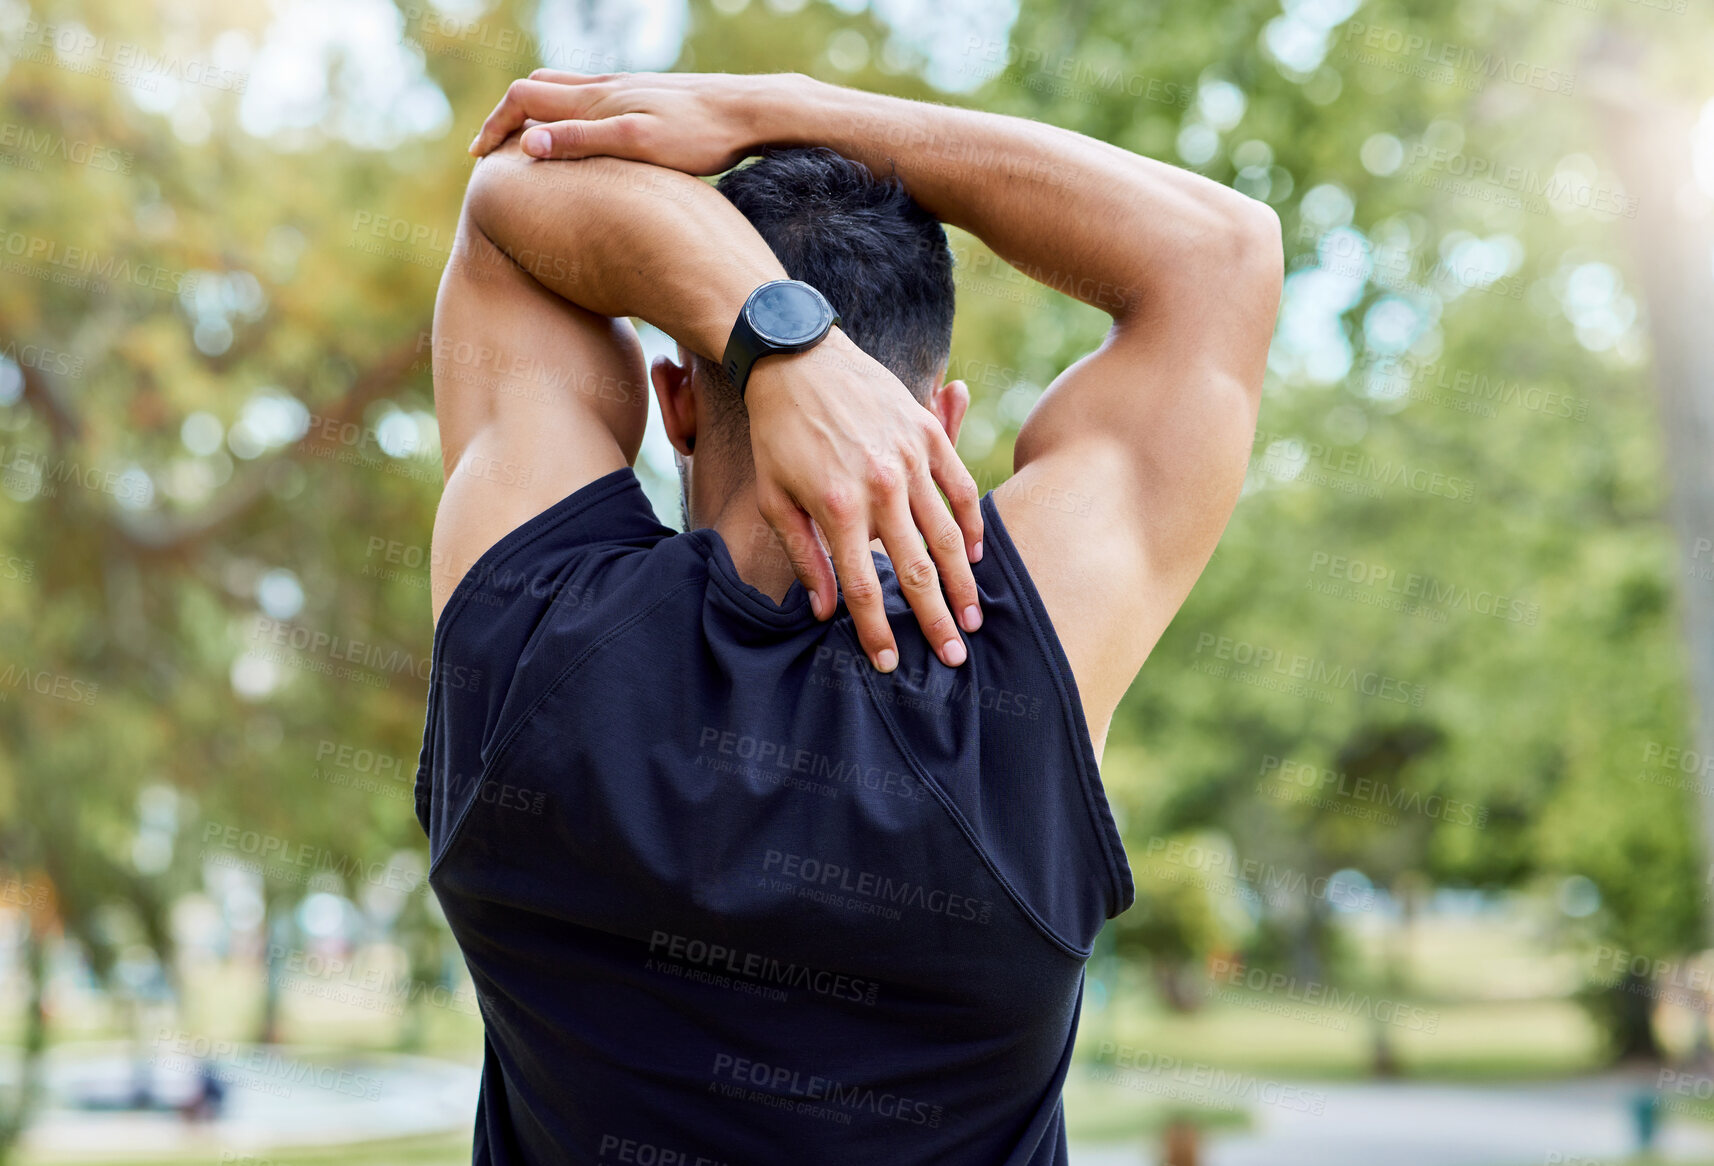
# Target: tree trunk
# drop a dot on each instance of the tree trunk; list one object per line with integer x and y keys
{"x": 279, "y": 931}
{"x": 1632, "y": 1021}
{"x": 12, "y": 1122}
{"x": 1649, "y": 137}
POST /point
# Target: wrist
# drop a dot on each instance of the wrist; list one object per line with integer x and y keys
{"x": 784, "y": 317}
{"x": 718, "y": 303}
{"x": 773, "y": 109}
{"x": 772, "y": 376}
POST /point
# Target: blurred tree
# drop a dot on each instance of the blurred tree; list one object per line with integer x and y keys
{"x": 1454, "y": 521}
{"x": 1646, "y": 130}
{"x": 218, "y": 461}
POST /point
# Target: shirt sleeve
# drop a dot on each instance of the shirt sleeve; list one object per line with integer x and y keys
{"x": 1005, "y": 738}
{"x": 548, "y": 566}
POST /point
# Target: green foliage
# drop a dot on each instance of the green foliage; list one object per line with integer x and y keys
{"x": 1517, "y": 657}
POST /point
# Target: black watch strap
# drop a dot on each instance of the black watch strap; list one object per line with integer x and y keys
{"x": 746, "y": 345}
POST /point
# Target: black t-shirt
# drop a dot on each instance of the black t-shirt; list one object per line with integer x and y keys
{"x": 728, "y": 895}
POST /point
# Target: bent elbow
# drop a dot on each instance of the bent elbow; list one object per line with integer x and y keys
{"x": 485, "y": 191}
{"x": 1253, "y": 245}
{"x": 502, "y": 184}
{"x": 1220, "y": 247}
{"x": 1252, "y": 260}
{"x": 1266, "y": 241}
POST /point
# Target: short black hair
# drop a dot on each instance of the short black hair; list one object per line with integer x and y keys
{"x": 881, "y": 260}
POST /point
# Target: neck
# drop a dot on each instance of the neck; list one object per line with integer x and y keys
{"x": 727, "y": 504}
{"x": 724, "y": 499}
{"x": 756, "y": 551}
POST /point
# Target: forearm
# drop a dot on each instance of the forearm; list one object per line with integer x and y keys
{"x": 624, "y": 238}
{"x": 1104, "y": 225}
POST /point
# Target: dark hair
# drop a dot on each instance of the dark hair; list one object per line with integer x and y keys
{"x": 879, "y": 258}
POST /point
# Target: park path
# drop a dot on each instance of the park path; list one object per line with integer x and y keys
{"x": 274, "y": 1101}
{"x": 1415, "y": 1124}
{"x": 275, "y": 1096}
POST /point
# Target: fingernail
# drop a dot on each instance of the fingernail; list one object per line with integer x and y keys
{"x": 972, "y": 618}
{"x": 976, "y": 552}
{"x": 886, "y": 660}
{"x": 953, "y": 652}
{"x": 537, "y": 142}
{"x": 471, "y": 148}
{"x": 815, "y": 603}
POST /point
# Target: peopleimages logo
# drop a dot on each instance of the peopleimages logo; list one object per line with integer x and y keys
{"x": 1410, "y": 592}
{"x": 1202, "y": 1085}
{"x": 1320, "y": 782}
{"x": 297, "y": 862}
{"x": 1479, "y": 64}
{"x": 1208, "y": 866}
{"x": 379, "y": 661}
{"x": 1317, "y": 677}
{"x": 51, "y": 144}
{"x": 783, "y": 1084}
{"x": 1535, "y": 192}
{"x": 1224, "y": 973}
{"x": 105, "y": 268}
{"x": 365, "y": 761}
{"x": 762, "y": 755}
{"x": 721, "y": 960}
{"x": 1293, "y": 459}
{"x": 260, "y": 1068}
{"x": 921, "y": 688}
{"x": 635, "y": 1152}
{"x": 44, "y": 682}
{"x": 829, "y": 878}
{"x": 48, "y": 360}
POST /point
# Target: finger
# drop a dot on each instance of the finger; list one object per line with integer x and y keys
{"x": 954, "y": 479}
{"x": 615, "y": 137}
{"x": 953, "y": 557}
{"x": 946, "y": 547}
{"x": 863, "y": 596}
{"x": 541, "y": 100}
{"x": 796, "y": 533}
{"x": 561, "y": 77}
{"x": 920, "y": 582}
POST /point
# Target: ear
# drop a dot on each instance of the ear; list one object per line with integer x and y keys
{"x": 677, "y": 398}
{"x": 950, "y": 402}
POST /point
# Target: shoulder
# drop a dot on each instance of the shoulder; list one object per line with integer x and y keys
{"x": 1075, "y": 545}
{"x": 555, "y": 556}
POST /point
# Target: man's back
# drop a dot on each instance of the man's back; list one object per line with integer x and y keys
{"x": 729, "y": 893}
{"x": 737, "y": 884}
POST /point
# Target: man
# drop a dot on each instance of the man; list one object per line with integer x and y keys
{"x": 746, "y": 869}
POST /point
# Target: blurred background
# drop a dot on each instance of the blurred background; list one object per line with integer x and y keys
{"x": 1418, "y": 789}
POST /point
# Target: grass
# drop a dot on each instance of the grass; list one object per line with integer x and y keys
{"x": 1508, "y": 1020}
{"x": 1460, "y": 1042}
{"x": 440, "y": 1151}
{"x": 1133, "y": 1108}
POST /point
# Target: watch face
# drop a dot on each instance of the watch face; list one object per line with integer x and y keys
{"x": 788, "y": 313}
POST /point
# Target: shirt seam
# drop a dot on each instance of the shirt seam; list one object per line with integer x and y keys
{"x": 956, "y": 814}
{"x": 522, "y": 536}
{"x": 508, "y": 546}
{"x": 503, "y": 750}
{"x": 1121, "y": 884}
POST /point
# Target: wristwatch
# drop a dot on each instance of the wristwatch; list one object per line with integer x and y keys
{"x": 782, "y": 315}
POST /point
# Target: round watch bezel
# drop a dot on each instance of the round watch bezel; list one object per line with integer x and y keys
{"x": 824, "y": 324}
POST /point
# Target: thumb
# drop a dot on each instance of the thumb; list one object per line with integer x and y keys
{"x": 615, "y": 137}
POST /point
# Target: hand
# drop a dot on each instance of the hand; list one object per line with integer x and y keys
{"x": 838, "y": 440}
{"x": 692, "y": 122}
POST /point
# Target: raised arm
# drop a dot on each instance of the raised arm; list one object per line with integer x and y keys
{"x": 551, "y": 257}
{"x": 1130, "y": 464}
{"x": 1128, "y": 467}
